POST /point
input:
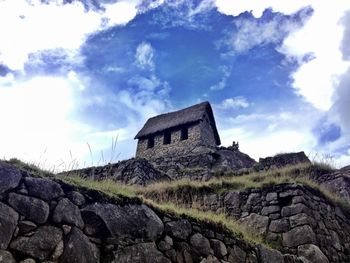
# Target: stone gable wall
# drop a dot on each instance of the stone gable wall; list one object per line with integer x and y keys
{"x": 44, "y": 220}
{"x": 207, "y": 135}
{"x": 200, "y": 134}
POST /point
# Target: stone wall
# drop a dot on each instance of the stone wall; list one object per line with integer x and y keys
{"x": 176, "y": 147}
{"x": 204, "y": 163}
{"x": 207, "y": 132}
{"x": 43, "y": 220}
{"x": 337, "y": 182}
{"x": 296, "y": 219}
{"x": 133, "y": 171}
{"x": 282, "y": 160}
{"x": 199, "y": 134}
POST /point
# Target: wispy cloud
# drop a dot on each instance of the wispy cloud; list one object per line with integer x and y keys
{"x": 319, "y": 48}
{"x": 144, "y": 56}
{"x": 251, "y": 32}
{"x": 263, "y": 134}
{"x": 226, "y": 73}
{"x": 37, "y": 27}
{"x": 234, "y": 103}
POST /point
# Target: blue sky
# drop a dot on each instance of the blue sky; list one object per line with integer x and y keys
{"x": 76, "y": 75}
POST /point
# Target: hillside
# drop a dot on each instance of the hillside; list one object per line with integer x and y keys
{"x": 275, "y": 211}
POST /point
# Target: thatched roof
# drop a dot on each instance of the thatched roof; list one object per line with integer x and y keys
{"x": 175, "y": 119}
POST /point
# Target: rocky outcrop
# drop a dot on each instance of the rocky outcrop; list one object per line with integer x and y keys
{"x": 72, "y": 224}
{"x": 204, "y": 163}
{"x": 294, "y": 218}
{"x": 201, "y": 164}
{"x": 282, "y": 160}
{"x": 337, "y": 182}
{"x": 133, "y": 171}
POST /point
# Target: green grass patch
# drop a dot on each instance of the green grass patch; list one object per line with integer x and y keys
{"x": 106, "y": 186}
{"x": 169, "y": 196}
{"x": 219, "y": 219}
{"x": 32, "y": 169}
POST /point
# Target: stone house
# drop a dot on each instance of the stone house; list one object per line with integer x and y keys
{"x": 178, "y": 133}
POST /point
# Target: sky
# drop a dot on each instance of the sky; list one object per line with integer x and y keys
{"x": 78, "y": 79}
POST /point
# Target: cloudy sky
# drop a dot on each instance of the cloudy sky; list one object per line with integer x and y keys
{"x": 76, "y": 75}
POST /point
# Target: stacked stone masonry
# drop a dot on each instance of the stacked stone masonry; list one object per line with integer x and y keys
{"x": 44, "y": 220}
{"x": 199, "y": 134}
{"x": 175, "y": 147}
{"x": 201, "y": 165}
{"x": 296, "y": 219}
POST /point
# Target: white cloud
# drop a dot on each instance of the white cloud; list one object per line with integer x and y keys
{"x": 321, "y": 36}
{"x": 202, "y": 7}
{"x": 144, "y": 55}
{"x": 234, "y": 103}
{"x": 36, "y": 115}
{"x": 29, "y": 26}
{"x": 262, "y": 135}
{"x": 226, "y": 73}
{"x": 257, "y": 8}
{"x": 41, "y": 125}
{"x": 321, "y": 49}
{"x": 251, "y": 33}
{"x": 121, "y": 12}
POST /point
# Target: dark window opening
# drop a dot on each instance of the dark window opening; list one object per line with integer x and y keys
{"x": 184, "y": 133}
{"x": 150, "y": 142}
{"x": 167, "y": 137}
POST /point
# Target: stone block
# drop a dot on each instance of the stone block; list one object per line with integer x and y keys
{"x": 299, "y": 236}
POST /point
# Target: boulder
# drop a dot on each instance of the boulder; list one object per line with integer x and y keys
{"x": 312, "y": 254}
{"x": 200, "y": 244}
{"x": 67, "y": 212}
{"x": 25, "y": 227}
{"x": 237, "y": 255}
{"x": 133, "y": 221}
{"x": 10, "y": 177}
{"x": 28, "y": 260}
{"x": 282, "y": 160}
{"x": 140, "y": 253}
{"x": 229, "y": 159}
{"x": 76, "y": 198}
{"x": 31, "y": 208}
{"x": 166, "y": 244}
{"x": 132, "y": 171}
{"x": 270, "y": 210}
{"x": 299, "y": 236}
{"x": 180, "y": 229}
{"x": 219, "y": 248}
{"x": 255, "y": 223}
{"x": 78, "y": 248}
{"x": 43, "y": 188}
{"x": 294, "y": 209}
{"x": 279, "y": 226}
{"x": 40, "y": 245}
{"x": 269, "y": 255}
{"x": 8, "y": 223}
{"x": 6, "y": 257}
{"x": 210, "y": 259}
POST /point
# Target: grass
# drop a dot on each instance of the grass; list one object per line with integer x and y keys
{"x": 106, "y": 186}
{"x": 171, "y": 191}
{"x": 219, "y": 219}
{"x": 163, "y": 195}
{"x": 30, "y": 168}
{"x": 111, "y": 188}
{"x": 291, "y": 174}
{"x": 157, "y": 195}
